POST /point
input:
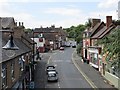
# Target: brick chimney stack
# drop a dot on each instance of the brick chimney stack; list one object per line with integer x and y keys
{"x": 94, "y": 22}
{"x": 108, "y": 20}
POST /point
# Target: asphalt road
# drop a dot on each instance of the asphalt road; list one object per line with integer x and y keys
{"x": 69, "y": 76}
{"x": 73, "y": 74}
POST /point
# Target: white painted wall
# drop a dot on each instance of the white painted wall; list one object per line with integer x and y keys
{"x": 39, "y": 44}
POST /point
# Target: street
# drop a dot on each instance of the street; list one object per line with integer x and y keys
{"x": 69, "y": 75}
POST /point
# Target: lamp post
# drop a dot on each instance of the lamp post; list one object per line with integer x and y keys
{"x": 33, "y": 56}
{"x": 31, "y": 86}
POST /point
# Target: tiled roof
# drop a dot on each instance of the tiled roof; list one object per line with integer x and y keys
{"x": 49, "y": 36}
{"x": 100, "y": 32}
{"x": 28, "y": 39}
{"x": 22, "y": 49}
{"x": 95, "y": 28}
{"x": 107, "y": 31}
{"x": 45, "y": 30}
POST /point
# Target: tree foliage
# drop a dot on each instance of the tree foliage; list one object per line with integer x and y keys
{"x": 88, "y": 24}
{"x": 111, "y": 44}
{"x": 76, "y": 32}
{"x": 28, "y": 30}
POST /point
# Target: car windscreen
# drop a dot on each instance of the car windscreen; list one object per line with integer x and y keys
{"x": 52, "y": 75}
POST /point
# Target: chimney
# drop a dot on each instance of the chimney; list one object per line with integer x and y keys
{"x": 15, "y": 23}
{"x": 52, "y": 26}
{"x": 60, "y": 27}
{"x": 94, "y": 22}
{"x": 108, "y": 20}
{"x": 22, "y": 23}
{"x": 19, "y": 24}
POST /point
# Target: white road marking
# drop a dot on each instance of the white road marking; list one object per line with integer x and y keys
{"x": 49, "y": 60}
{"x": 58, "y": 85}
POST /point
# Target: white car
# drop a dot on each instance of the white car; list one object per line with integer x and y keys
{"x": 61, "y": 48}
{"x": 52, "y": 76}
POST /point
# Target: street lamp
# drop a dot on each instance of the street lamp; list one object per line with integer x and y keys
{"x": 10, "y": 47}
{"x": 10, "y": 44}
{"x": 31, "y": 86}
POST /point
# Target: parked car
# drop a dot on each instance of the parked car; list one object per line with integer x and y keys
{"x": 74, "y": 46}
{"x": 61, "y": 48}
{"x": 50, "y": 68}
{"x": 52, "y": 76}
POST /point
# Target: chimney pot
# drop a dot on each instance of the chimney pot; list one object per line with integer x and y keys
{"x": 15, "y": 23}
{"x": 19, "y": 23}
{"x": 22, "y": 23}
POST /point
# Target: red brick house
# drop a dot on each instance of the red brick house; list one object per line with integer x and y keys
{"x": 95, "y": 49}
{"x": 52, "y": 37}
{"x": 95, "y": 24}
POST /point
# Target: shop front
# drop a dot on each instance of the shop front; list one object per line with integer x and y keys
{"x": 94, "y": 57}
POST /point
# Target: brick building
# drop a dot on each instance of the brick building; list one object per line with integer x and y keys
{"x": 15, "y": 65}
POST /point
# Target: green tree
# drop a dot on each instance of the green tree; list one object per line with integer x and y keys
{"x": 88, "y": 24}
{"x": 76, "y": 32}
{"x": 111, "y": 44}
{"x": 28, "y": 30}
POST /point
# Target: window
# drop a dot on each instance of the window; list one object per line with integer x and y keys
{"x": 12, "y": 70}
{"x": 21, "y": 64}
{"x": 4, "y": 76}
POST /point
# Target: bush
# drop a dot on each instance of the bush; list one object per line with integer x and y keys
{"x": 79, "y": 48}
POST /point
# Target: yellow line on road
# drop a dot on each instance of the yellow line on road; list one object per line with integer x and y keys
{"x": 84, "y": 75}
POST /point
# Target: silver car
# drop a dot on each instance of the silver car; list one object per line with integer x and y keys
{"x": 52, "y": 76}
{"x": 50, "y": 68}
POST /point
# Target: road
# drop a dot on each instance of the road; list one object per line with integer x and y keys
{"x": 69, "y": 76}
{"x": 69, "y": 72}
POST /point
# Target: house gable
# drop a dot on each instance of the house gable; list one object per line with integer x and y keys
{"x": 7, "y": 23}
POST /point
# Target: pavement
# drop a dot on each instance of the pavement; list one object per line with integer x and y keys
{"x": 92, "y": 74}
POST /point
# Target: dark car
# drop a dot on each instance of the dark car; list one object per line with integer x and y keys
{"x": 74, "y": 46}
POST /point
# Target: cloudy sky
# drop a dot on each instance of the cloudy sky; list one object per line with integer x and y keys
{"x": 65, "y": 13}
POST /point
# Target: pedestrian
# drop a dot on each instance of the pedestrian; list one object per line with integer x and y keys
{"x": 38, "y": 55}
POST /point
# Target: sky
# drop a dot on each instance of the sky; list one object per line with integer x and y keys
{"x": 61, "y": 13}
